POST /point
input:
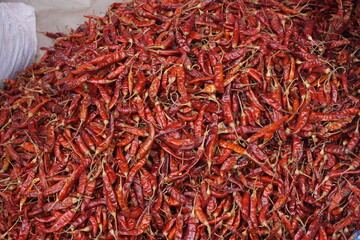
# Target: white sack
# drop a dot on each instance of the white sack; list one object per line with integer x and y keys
{"x": 17, "y": 38}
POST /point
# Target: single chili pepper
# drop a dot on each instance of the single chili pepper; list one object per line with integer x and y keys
{"x": 131, "y": 132}
{"x": 263, "y": 220}
{"x": 27, "y": 183}
{"x": 189, "y": 25}
{"x": 253, "y": 209}
{"x": 88, "y": 192}
{"x": 81, "y": 219}
{"x": 245, "y": 206}
{"x": 303, "y": 116}
{"x": 111, "y": 200}
{"x": 149, "y": 116}
{"x": 199, "y": 212}
{"x": 110, "y": 173}
{"x": 191, "y": 229}
{"x": 140, "y": 228}
{"x": 25, "y": 227}
{"x": 145, "y": 147}
{"x": 105, "y": 144}
{"x": 232, "y": 146}
{"x": 313, "y": 228}
{"x": 266, "y": 194}
{"x": 227, "y": 165}
{"x": 45, "y": 219}
{"x": 71, "y": 180}
{"x": 54, "y": 188}
{"x": 269, "y": 128}
{"x": 37, "y": 107}
{"x": 182, "y": 42}
{"x": 299, "y": 234}
{"x": 62, "y": 221}
{"x": 219, "y": 77}
{"x": 280, "y": 202}
{"x": 83, "y": 148}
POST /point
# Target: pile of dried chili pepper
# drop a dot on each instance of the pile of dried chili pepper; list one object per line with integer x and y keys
{"x": 188, "y": 120}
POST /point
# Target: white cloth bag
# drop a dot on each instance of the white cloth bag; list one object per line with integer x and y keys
{"x": 17, "y": 38}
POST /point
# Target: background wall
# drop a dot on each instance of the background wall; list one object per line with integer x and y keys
{"x": 62, "y": 15}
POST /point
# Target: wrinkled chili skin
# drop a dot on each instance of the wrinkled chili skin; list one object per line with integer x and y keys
{"x": 188, "y": 119}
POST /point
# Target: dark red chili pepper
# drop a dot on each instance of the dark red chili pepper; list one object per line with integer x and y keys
{"x": 71, "y": 181}
{"x": 313, "y": 228}
{"x": 62, "y": 221}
